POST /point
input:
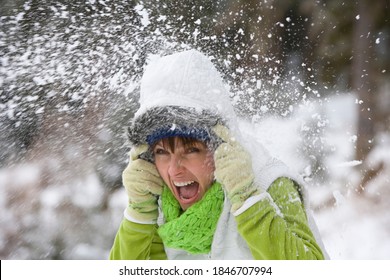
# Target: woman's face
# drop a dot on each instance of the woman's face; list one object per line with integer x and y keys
{"x": 187, "y": 167}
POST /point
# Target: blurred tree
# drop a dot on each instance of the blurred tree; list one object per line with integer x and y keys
{"x": 366, "y": 74}
{"x": 352, "y": 43}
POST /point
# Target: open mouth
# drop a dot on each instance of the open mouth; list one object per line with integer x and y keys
{"x": 187, "y": 192}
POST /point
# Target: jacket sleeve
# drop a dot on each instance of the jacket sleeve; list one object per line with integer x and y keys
{"x": 276, "y": 226}
{"x": 137, "y": 242}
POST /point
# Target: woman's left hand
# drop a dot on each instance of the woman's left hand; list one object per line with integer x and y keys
{"x": 233, "y": 168}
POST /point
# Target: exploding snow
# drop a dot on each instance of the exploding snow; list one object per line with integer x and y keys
{"x": 352, "y": 225}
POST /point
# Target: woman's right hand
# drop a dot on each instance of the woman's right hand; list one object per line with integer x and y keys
{"x": 143, "y": 185}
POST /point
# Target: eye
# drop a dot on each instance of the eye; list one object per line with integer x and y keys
{"x": 160, "y": 151}
{"x": 191, "y": 150}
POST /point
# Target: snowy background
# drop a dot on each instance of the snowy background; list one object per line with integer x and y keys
{"x": 69, "y": 86}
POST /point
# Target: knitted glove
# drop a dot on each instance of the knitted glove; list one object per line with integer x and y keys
{"x": 143, "y": 185}
{"x": 233, "y": 168}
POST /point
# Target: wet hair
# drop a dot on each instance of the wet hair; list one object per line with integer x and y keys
{"x": 170, "y": 142}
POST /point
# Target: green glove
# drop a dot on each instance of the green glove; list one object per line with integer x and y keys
{"x": 233, "y": 168}
{"x": 143, "y": 185}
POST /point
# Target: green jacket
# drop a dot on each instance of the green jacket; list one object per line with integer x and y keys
{"x": 273, "y": 229}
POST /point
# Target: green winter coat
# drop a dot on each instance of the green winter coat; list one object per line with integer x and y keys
{"x": 275, "y": 229}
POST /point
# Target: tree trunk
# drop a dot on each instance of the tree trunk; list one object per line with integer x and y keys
{"x": 363, "y": 83}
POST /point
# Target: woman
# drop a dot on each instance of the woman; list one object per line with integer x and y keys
{"x": 194, "y": 190}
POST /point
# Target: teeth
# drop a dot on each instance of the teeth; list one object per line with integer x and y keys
{"x": 183, "y": 184}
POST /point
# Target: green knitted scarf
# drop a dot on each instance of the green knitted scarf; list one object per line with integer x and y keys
{"x": 193, "y": 229}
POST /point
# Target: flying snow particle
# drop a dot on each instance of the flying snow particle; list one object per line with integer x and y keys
{"x": 357, "y": 17}
{"x": 162, "y": 18}
{"x": 351, "y": 163}
{"x": 240, "y": 70}
{"x": 357, "y": 101}
{"x": 196, "y": 33}
{"x": 353, "y": 139}
{"x": 40, "y": 110}
{"x": 264, "y": 109}
{"x": 144, "y": 14}
{"x": 39, "y": 81}
{"x": 20, "y": 16}
{"x": 377, "y": 41}
{"x": 340, "y": 199}
{"x": 258, "y": 84}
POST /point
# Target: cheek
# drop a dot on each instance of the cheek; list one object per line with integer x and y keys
{"x": 209, "y": 163}
{"x": 162, "y": 170}
{"x": 208, "y": 168}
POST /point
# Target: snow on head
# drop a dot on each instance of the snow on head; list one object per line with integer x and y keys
{"x": 185, "y": 79}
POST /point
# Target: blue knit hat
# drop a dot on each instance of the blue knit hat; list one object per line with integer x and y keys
{"x": 171, "y": 121}
{"x": 197, "y": 133}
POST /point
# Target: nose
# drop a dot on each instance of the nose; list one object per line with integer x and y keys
{"x": 175, "y": 165}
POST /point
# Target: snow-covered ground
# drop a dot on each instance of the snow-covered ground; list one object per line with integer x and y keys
{"x": 65, "y": 219}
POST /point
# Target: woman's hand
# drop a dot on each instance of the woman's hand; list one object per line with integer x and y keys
{"x": 143, "y": 185}
{"x": 233, "y": 168}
